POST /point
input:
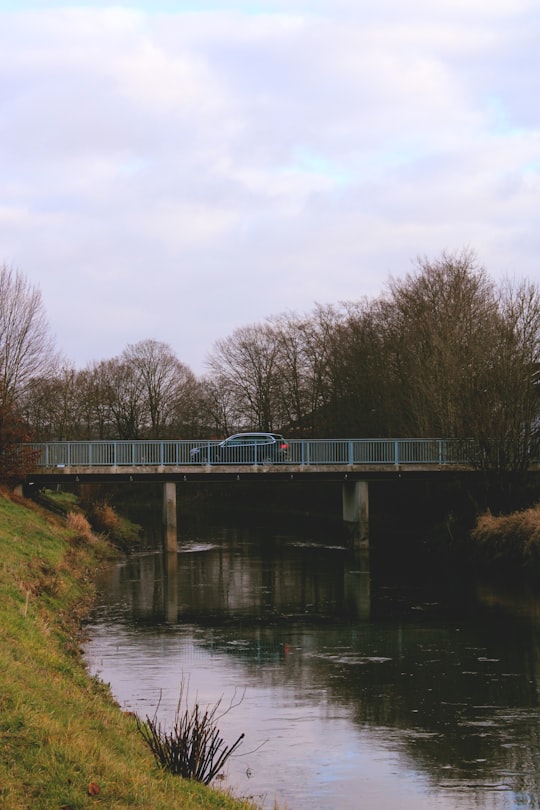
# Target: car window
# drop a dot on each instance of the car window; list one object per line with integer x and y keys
{"x": 249, "y": 439}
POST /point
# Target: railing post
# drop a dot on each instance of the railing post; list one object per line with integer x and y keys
{"x": 396, "y": 452}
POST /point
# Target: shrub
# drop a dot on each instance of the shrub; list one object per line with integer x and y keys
{"x": 514, "y": 537}
{"x": 193, "y": 748}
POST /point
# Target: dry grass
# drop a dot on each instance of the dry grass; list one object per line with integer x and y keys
{"x": 106, "y": 518}
{"x": 120, "y": 531}
{"x": 514, "y": 537}
{"x": 79, "y": 526}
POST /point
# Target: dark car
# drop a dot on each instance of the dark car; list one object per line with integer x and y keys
{"x": 244, "y": 448}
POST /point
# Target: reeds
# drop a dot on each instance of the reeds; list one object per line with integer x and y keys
{"x": 193, "y": 748}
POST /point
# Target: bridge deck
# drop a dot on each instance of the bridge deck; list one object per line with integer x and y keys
{"x": 215, "y": 472}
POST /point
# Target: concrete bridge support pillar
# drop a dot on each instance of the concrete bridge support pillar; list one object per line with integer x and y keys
{"x": 170, "y": 532}
{"x": 355, "y": 496}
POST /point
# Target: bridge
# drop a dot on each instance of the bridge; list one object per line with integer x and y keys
{"x": 354, "y": 462}
{"x": 106, "y": 457}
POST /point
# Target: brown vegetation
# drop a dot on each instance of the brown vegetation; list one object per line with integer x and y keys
{"x": 80, "y": 527}
{"x": 118, "y": 530}
{"x": 513, "y": 538}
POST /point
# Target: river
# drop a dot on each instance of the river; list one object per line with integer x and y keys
{"x": 354, "y": 689}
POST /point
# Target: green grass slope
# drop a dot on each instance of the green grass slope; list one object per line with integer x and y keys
{"x": 64, "y": 742}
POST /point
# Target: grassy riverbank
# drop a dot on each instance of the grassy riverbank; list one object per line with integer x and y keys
{"x": 64, "y": 743}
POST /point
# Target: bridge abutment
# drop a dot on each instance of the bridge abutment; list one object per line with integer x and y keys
{"x": 355, "y": 498}
{"x": 170, "y": 529}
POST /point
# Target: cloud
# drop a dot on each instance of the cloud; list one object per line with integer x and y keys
{"x": 176, "y": 170}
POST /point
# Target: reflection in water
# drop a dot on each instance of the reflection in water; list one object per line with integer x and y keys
{"x": 351, "y": 699}
{"x": 170, "y": 596}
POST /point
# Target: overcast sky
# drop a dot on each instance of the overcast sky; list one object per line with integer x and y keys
{"x": 177, "y": 169}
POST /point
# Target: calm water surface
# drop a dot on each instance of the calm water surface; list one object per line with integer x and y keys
{"x": 353, "y": 692}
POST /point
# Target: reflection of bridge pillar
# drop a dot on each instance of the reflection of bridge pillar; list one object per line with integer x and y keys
{"x": 170, "y": 591}
{"x": 358, "y": 585}
{"x": 170, "y": 534}
{"x": 355, "y": 497}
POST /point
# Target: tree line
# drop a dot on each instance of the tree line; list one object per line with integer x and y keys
{"x": 442, "y": 352}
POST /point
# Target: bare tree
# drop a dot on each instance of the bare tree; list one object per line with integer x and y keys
{"x": 93, "y": 391}
{"x": 246, "y": 365}
{"x": 292, "y": 377}
{"x": 305, "y": 378}
{"x": 163, "y": 379}
{"x": 26, "y": 347}
{"x": 121, "y": 389}
{"x": 508, "y": 425}
{"x": 38, "y": 407}
{"x": 66, "y": 405}
{"x": 219, "y": 414}
{"x": 358, "y": 373}
{"x": 441, "y": 323}
{"x": 187, "y": 418}
{"x": 62, "y": 406}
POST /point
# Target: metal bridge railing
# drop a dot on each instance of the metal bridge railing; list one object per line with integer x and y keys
{"x": 301, "y": 452}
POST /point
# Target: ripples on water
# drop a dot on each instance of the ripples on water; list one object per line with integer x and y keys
{"x": 352, "y": 693}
